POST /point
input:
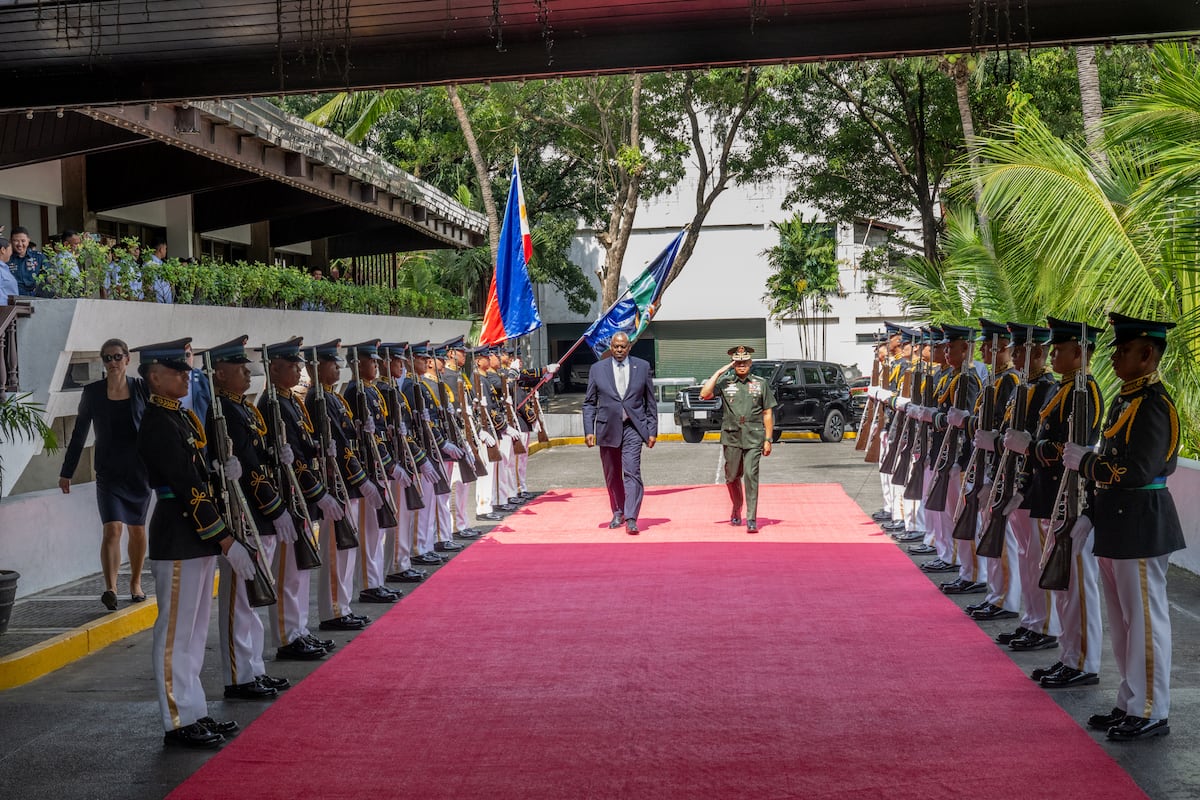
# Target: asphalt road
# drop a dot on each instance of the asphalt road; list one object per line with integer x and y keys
{"x": 91, "y": 729}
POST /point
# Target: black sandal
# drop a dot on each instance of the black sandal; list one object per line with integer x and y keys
{"x": 137, "y": 598}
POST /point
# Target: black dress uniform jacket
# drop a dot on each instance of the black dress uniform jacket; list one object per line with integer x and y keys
{"x": 1001, "y": 389}
{"x": 1132, "y": 510}
{"x": 187, "y": 521}
{"x": 1045, "y": 452}
{"x": 247, "y": 431}
{"x": 1039, "y": 391}
{"x": 342, "y": 434}
{"x": 298, "y": 428}
{"x": 968, "y": 379}
{"x": 378, "y": 411}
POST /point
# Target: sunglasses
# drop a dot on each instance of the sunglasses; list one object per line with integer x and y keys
{"x": 112, "y": 357}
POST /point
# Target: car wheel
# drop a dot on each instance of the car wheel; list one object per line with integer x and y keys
{"x": 776, "y": 435}
{"x": 692, "y": 434}
{"x": 835, "y": 426}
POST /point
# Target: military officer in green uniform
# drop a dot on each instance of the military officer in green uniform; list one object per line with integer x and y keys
{"x": 746, "y": 428}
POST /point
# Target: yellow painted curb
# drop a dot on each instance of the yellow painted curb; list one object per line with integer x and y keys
{"x": 45, "y": 657}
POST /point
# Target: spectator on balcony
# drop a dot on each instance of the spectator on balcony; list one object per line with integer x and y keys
{"x": 113, "y": 407}
{"x": 27, "y": 264}
{"x": 163, "y": 291}
{"x": 8, "y": 282}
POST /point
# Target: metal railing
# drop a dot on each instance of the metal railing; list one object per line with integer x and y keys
{"x": 10, "y": 372}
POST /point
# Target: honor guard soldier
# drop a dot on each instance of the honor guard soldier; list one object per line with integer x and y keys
{"x": 417, "y": 553}
{"x": 511, "y": 448}
{"x": 397, "y": 390}
{"x": 291, "y": 435}
{"x": 1136, "y": 526}
{"x": 437, "y": 529}
{"x": 1038, "y": 627}
{"x": 488, "y": 505}
{"x": 239, "y": 626}
{"x": 747, "y": 424}
{"x": 890, "y": 386}
{"x": 187, "y": 533}
{"x": 528, "y": 420}
{"x": 366, "y": 402}
{"x": 1079, "y": 606}
{"x": 457, "y": 386}
{"x": 335, "y": 585}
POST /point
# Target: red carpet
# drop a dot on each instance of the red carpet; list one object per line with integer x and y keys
{"x": 558, "y": 659}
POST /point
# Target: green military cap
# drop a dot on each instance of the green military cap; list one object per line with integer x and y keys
{"x": 169, "y": 354}
{"x": 367, "y": 349}
{"x": 233, "y": 351}
{"x": 1062, "y": 330}
{"x": 288, "y": 351}
{"x": 740, "y": 353}
{"x": 1126, "y": 329}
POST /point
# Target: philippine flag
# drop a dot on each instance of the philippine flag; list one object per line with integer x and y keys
{"x": 511, "y": 308}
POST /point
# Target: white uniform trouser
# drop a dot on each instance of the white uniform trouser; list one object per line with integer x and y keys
{"x": 1079, "y": 612}
{"x": 427, "y": 517}
{"x": 184, "y": 595}
{"x": 485, "y": 487}
{"x": 460, "y": 492}
{"x": 1136, "y": 592}
{"x": 1037, "y": 604}
{"x": 885, "y": 481}
{"x": 335, "y": 585}
{"x": 914, "y": 513}
{"x": 370, "y": 548}
{"x": 289, "y": 616}
{"x": 444, "y": 530}
{"x": 522, "y": 463}
{"x": 239, "y": 628}
{"x": 403, "y": 538}
{"x": 506, "y": 474}
{"x": 969, "y": 566}
{"x": 1004, "y": 571}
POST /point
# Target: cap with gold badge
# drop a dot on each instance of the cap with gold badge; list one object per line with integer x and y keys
{"x": 741, "y": 353}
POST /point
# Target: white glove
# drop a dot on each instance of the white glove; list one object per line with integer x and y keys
{"x": 403, "y": 428}
{"x": 487, "y": 439}
{"x": 368, "y": 425}
{"x": 331, "y": 509}
{"x": 957, "y": 417}
{"x": 1079, "y": 534}
{"x": 470, "y": 456}
{"x": 425, "y": 415}
{"x": 232, "y": 467}
{"x": 925, "y": 413}
{"x": 1014, "y": 503}
{"x": 285, "y": 528}
{"x": 1073, "y": 455}
{"x": 400, "y": 476}
{"x": 872, "y": 392}
{"x": 1017, "y": 440}
{"x": 452, "y": 451}
{"x": 902, "y": 403}
{"x": 509, "y": 430}
{"x": 986, "y": 440}
{"x": 427, "y": 469}
{"x": 239, "y": 558}
{"x": 370, "y": 495}
{"x": 884, "y": 395}
{"x": 551, "y": 369}
{"x": 331, "y": 450}
{"x": 286, "y": 456}
{"x": 536, "y": 427}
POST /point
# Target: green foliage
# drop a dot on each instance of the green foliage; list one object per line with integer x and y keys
{"x": 118, "y": 273}
{"x": 805, "y": 268}
{"x": 22, "y": 418}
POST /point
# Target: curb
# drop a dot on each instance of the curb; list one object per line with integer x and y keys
{"x": 45, "y": 657}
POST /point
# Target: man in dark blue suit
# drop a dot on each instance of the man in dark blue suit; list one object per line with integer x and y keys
{"x": 619, "y": 413}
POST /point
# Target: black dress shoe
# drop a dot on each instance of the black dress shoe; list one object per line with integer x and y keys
{"x": 516, "y": 501}
{"x": 342, "y": 623}
{"x": 251, "y": 690}
{"x": 922, "y": 549}
{"x": 971, "y": 609}
{"x": 882, "y": 515}
{"x": 1131, "y": 728}
{"x": 892, "y": 526}
{"x": 447, "y": 547}
{"x": 194, "y": 736}
{"x": 407, "y": 576}
{"x": 911, "y": 536}
{"x": 937, "y": 565}
{"x": 278, "y": 684}
{"x": 1068, "y": 677}
{"x": 1007, "y": 638}
{"x": 617, "y": 521}
{"x": 1103, "y": 722}
{"x": 507, "y": 508}
{"x": 377, "y": 595}
{"x": 631, "y": 527}
{"x": 751, "y": 526}
{"x": 212, "y": 726}
{"x": 109, "y": 598}
{"x": 735, "y": 520}
{"x": 328, "y": 645}
{"x": 430, "y": 559}
{"x": 363, "y": 618}
{"x": 1033, "y": 641}
{"x": 300, "y": 650}
{"x": 491, "y": 516}
{"x": 965, "y": 587}
{"x": 995, "y": 612}
{"x": 1042, "y": 672}
{"x": 468, "y": 533}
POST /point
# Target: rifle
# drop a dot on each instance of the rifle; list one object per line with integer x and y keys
{"x": 344, "y": 533}
{"x": 868, "y": 418}
{"x": 469, "y": 434}
{"x": 518, "y": 445}
{"x": 260, "y": 590}
{"x": 887, "y": 462}
{"x": 909, "y": 438}
{"x": 1068, "y": 505}
{"x": 948, "y": 454}
{"x": 493, "y": 450}
{"x": 914, "y": 488}
{"x": 991, "y": 541}
{"x": 307, "y": 554}
{"x": 454, "y": 432}
{"x": 966, "y": 513}
{"x": 397, "y": 433}
{"x": 385, "y": 515}
{"x": 542, "y": 436}
{"x": 441, "y": 483}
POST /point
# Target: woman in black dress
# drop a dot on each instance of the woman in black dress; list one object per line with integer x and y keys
{"x": 113, "y": 406}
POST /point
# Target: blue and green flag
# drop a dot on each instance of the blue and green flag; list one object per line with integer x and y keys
{"x": 633, "y": 312}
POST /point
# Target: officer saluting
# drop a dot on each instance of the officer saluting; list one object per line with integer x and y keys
{"x": 747, "y": 424}
{"x": 187, "y": 533}
{"x": 1136, "y": 526}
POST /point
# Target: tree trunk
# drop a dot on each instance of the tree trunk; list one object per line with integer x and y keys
{"x": 615, "y": 239}
{"x": 1089, "y": 96}
{"x": 481, "y": 173}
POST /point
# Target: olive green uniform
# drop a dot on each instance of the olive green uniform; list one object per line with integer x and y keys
{"x": 743, "y": 402}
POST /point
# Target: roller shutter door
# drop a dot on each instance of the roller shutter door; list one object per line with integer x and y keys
{"x": 694, "y": 349}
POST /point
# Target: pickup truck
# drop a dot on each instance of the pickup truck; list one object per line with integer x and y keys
{"x": 811, "y": 396}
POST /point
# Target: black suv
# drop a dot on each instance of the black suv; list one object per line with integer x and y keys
{"x": 810, "y": 396}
